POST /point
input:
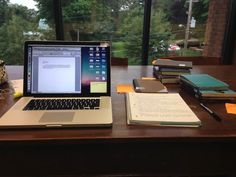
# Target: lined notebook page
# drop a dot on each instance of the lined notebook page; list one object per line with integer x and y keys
{"x": 160, "y": 108}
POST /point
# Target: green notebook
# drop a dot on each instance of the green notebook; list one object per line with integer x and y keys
{"x": 203, "y": 82}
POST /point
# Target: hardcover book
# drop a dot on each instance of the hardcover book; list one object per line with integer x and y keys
{"x": 149, "y": 86}
{"x": 215, "y": 94}
{"x": 161, "y": 69}
{"x": 209, "y": 94}
{"x": 172, "y": 63}
{"x": 203, "y": 82}
{"x": 170, "y": 80}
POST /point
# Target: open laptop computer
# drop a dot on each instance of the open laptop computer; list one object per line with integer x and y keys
{"x": 66, "y": 84}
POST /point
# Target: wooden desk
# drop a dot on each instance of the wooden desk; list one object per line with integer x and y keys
{"x": 126, "y": 150}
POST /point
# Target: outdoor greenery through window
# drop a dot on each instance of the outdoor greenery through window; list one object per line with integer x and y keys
{"x": 17, "y": 24}
{"x": 169, "y": 27}
{"x": 120, "y": 21}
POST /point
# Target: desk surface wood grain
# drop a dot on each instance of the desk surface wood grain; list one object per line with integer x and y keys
{"x": 210, "y": 130}
{"x": 125, "y": 150}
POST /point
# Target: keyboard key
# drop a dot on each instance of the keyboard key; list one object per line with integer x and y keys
{"x": 62, "y": 104}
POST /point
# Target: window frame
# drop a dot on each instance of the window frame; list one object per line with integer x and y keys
{"x": 228, "y": 44}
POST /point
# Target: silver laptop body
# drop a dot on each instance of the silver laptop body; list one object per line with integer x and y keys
{"x": 63, "y": 71}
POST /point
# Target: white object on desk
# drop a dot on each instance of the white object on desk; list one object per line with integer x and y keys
{"x": 159, "y": 109}
{"x": 17, "y": 85}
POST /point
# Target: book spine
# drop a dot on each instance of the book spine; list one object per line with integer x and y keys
{"x": 188, "y": 88}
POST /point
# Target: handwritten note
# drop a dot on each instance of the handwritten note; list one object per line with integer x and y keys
{"x": 161, "y": 108}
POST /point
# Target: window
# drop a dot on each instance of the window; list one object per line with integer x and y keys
{"x": 19, "y": 23}
{"x": 119, "y": 21}
{"x": 178, "y": 27}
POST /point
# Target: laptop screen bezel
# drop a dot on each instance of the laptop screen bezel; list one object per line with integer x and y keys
{"x": 82, "y": 94}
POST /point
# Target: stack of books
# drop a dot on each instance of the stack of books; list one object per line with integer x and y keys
{"x": 206, "y": 87}
{"x": 169, "y": 71}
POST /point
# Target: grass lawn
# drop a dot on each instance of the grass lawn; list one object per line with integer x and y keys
{"x": 118, "y": 49}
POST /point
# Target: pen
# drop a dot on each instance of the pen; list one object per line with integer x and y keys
{"x": 216, "y": 116}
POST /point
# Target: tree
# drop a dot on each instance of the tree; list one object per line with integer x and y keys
{"x": 3, "y": 11}
{"x": 178, "y": 13}
{"x": 45, "y": 10}
{"x": 200, "y": 10}
{"x": 132, "y": 27}
{"x": 160, "y": 34}
{"x": 160, "y": 30}
{"x": 83, "y": 16}
{"x": 12, "y": 49}
{"x": 20, "y": 20}
{"x": 88, "y": 16}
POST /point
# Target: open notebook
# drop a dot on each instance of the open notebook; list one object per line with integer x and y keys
{"x": 66, "y": 84}
{"x": 159, "y": 109}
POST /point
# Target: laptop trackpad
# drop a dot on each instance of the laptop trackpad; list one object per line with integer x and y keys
{"x": 57, "y": 117}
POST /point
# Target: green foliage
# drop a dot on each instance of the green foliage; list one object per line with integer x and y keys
{"x": 160, "y": 34}
{"x": 176, "y": 10}
{"x": 100, "y": 22}
{"x": 3, "y": 11}
{"x": 118, "y": 20}
{"x": 78, "y": 10}
{"x": 132, "y": 27}
{"x": 118, "y": 49}
{"x": 12, "y": 33}
{"x": 164, "y": 5}
{"x": 21, "y": 11}
{"x": 200, "y": 11}
{"x": 46, "y": 11}
{"x": 13, "y": 39}
{"x": 160, "y": 30}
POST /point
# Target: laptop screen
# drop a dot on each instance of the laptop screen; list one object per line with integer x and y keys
{"x": 67, "y": 68}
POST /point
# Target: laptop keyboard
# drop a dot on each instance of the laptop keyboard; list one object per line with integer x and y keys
{"x": 62, "y": 104}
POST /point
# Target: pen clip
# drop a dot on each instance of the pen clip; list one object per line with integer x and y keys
{"x": 208, "y": 109}
{"x": 215, "y": 115}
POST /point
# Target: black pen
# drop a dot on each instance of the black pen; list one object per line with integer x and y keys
{"x": 216, "y": 116}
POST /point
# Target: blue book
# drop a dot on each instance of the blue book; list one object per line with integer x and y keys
{"x": 203, "y": 82}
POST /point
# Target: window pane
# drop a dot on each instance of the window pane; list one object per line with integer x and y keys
{"x": 20, "y": 22}
{"x": 119, "y": 21}
{"x": 169, "y": 30}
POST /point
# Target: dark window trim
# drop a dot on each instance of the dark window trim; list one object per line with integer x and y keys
{"x": 146, "y": 31}
{"x": 228, "y": 43}
{"x": 146, "y": 26}
{"x": 58, "y": 20}
{"x": 229, "y": 38}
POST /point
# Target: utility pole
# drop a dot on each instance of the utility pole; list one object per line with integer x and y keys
{"x": 188, "y": 24}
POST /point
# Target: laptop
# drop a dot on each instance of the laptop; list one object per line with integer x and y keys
{"x": 66, "y": 84}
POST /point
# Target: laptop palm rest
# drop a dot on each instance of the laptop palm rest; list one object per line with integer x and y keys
{"x": 57, "y": 117}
